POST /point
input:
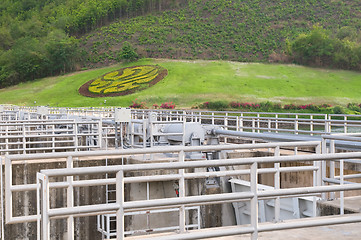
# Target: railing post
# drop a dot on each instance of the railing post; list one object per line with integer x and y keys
{"x": 144, "y": 128}
{"x": 24, "y": 140}
{"x": 277, "y": 185}
{"x": 237, "y": 123}
{"x": 253, "y": 125}
{"x": 38, "y": 197}
{"x": 45, "y": 221}
{"x": 100, "y": 133}
{"x": 296, "y": 124}
{"x": 76, "y": 142}
{"x": 342, "y": 199}
{"x": 70, "y": 198}
{"x": 332, "y": 167}
{"x": 182, "y": 216}
{"x": 226, "y": 126}
{"x": 120, "y": 201}
{"x": 327, "y": 124}
{"x": 323, "y": 166}
{"x": 317, "y": 178}
{"x": 8, "y": 192}
{"x": 345, "y": 124}
{"x": 241, "y": 122}
{"x": 254, "y": 201}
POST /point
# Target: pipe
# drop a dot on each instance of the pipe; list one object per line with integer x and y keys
{"x": 347, "y": 143}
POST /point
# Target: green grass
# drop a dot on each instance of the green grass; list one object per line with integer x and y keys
{"x": 193, "y": 82}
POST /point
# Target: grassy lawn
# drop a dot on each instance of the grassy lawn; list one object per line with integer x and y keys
{"x": 193, "y": 82}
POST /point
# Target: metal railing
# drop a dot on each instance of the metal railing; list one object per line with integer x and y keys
{"x": 31, "y": 136}
{"x": 69, "y": 157}
{"x": 120, "y": 207}
{"x": 297, "y": 123}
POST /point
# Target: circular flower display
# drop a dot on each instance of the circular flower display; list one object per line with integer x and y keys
{"x": 123, "y": 81}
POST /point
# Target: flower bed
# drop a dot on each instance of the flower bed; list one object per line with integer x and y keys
{"x": 123, "y": 81}
{"x": 263, "y": 106}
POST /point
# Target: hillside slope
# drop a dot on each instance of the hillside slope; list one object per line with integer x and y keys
{"x": 247, "y": 30}
{"x": 191, "y": 83}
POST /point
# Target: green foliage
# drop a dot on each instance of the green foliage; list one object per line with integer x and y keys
{"x": 338, "y": 110}
{"x": 62, "y": 51}
{"x": 315, "y": 47}
{"x": 128, "y": 53}
{"x": 247, "y": 30}
{"x": 50, "y": 23}
{"x": 320, "y": 48}
{"x": 216, "y": 105}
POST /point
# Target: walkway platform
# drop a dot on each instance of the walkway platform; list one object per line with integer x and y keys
{"x": 351, "y": 231}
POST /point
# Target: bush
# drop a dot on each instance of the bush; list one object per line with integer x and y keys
{"x": 128, "y": 53}
{"x": 138, "y": 105}
{"x": 167, "y": 105}
{"x": 235, "y": 104}
{"x": 217, "y": 105}
{"x": 320, "y": 48}
{"x": 266, "y": 106}
{"x": 338, "y": 110}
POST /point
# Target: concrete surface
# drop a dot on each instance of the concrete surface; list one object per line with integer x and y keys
{"x": 350, "y": 231}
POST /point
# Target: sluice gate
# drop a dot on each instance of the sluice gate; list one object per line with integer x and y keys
{"x": 102, "y": 173}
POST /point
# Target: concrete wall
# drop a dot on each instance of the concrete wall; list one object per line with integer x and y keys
{"x": 24, "y": 203}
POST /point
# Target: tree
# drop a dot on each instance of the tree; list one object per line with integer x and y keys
{"x": 313, "y": 48}
{"x": 62, "y": 52}
{"x": 127, "y": 53}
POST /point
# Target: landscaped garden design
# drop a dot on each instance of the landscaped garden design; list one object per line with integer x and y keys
{"x": 123, "y": 81}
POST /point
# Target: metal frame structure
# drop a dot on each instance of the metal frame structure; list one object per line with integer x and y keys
{"x": 70, "y": 156}
{"x": 121, "y": 207}
{"x": 29, "y": 136}
{"x": 298, "y": 123}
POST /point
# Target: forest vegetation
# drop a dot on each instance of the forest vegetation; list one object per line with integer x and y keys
{"x": 41, "y": 38}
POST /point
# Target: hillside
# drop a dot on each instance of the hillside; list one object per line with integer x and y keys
{"x": 190, "y": 83}
{"x": 247, "y": 31}
{"x": 47, "y": 38}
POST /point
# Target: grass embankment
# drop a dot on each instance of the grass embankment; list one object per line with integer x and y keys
{"x": 190, "y": 83}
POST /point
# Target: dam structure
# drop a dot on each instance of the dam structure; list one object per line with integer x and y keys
{"x": 120, "y": 173}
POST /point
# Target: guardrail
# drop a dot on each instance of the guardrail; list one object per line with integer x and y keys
{"x": 69, "y": 157}
{"x": 297, "y": 123}
{"x": 31, "y": 136}
{"x": 121, "y": 206}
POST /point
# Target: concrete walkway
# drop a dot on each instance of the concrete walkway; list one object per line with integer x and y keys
{"x": 350, "y": 231}
{"x": 336, "y": 232}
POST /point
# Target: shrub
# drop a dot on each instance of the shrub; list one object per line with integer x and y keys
{"x": 266, "y": 106}
{"x": 128, "y": 53}
{"x": 325, "y": 105}
{"x": 235, "y": 104}
{"x": 309, "y": 107}
{"x": 290, "y": 107}
{"x": 139, "y": 105}
{"x": 204, "y": 105}
{"x": 167, "y": 105}
{"x": 338, "y": 110}
{"x": 217, "y": 105}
